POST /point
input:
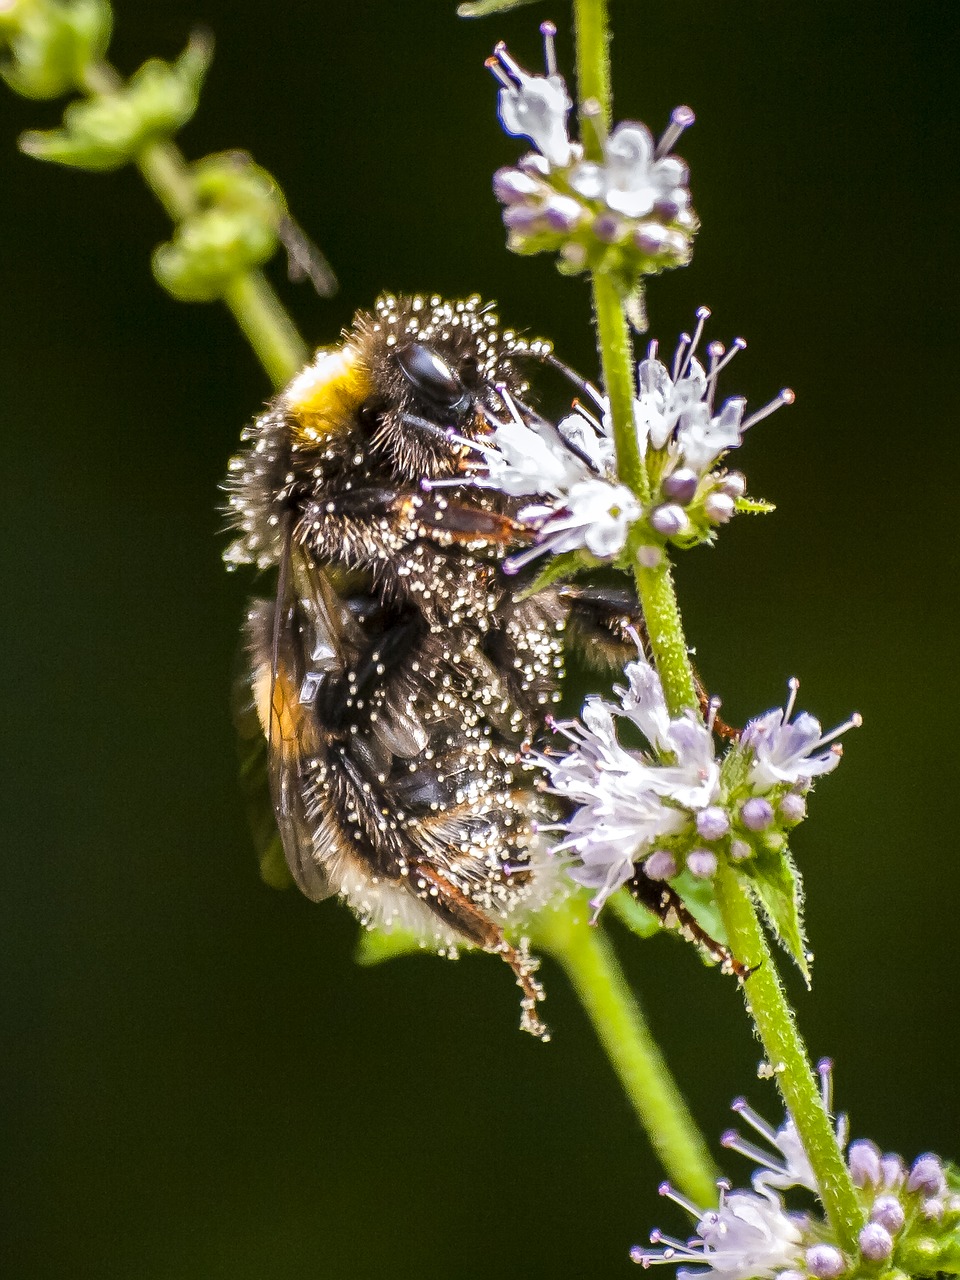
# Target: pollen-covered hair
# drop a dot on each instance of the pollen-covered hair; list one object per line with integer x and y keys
{"x": 362, "y": 409}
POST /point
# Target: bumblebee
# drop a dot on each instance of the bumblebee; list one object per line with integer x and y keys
{"x": 398, "y": 678}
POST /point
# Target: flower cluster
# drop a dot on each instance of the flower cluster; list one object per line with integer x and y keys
{"x": 674, "y": 805}
{"x": 628, "y": 214}
{"x": 682, "y": 435}
{"x": 911, "y": 1216}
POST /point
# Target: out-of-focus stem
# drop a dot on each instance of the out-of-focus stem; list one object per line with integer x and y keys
{"x": 589, "y": 961}
{"x": 255, "y": 306}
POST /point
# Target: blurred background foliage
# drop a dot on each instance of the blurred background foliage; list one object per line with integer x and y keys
{"x": 198, "y": 1081}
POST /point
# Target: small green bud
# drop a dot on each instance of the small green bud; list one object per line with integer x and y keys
{"x": 109, "y": 130}
{"x": 921, "y": 1256}
{"x": 48, "y": 45}
{"x": 234, "y": 229}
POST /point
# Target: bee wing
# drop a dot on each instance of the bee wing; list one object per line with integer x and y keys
{"x": 288, "y": 639}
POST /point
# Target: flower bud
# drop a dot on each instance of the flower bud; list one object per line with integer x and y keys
{"x": 733, "y": 484}
{"x": 793, "y": 809}
{"x": 681, "y": 485}
{"x": 669, "y": 520}
{"x": 739, "y": 849}
{"x": 661, "y": 865}
{"x": 863, "y": 1156}
{"x": 926, "y": 1175}
{"x": 511, "y": 186}
{"x": 702, "y": 863}
{"x": 825, "y": 1262}
{"x": 713, "y": 823}
{"x": 719, "y": 508}
{"x": 888, "y": 1211}
{"x": 876, "y": 1243}
{"x": 756, "y": 814}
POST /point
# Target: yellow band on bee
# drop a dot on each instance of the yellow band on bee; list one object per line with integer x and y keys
{"x": 329, "y": 389}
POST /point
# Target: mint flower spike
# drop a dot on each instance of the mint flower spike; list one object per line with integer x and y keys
{"x": 628, "y": 802}
{"x": 627, "y": 215}
{"x": 572, "y": 464}
{"x": 911, "y": 1217}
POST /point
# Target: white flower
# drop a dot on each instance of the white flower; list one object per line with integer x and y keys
{"x": 791, "y": 1166}
{"x": 626, "y": 800}
{"x": 635, "y": 179}
{"x": 535, "y": 107}
{"x": 677, "y": 406}
{"x": 520, "y": 461}
{"x": 594, "y": 516}
{"x": 745, "y": 1237}
{"x": 790, "y": 751}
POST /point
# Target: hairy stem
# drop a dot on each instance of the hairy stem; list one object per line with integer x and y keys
{"x": 777, "y": 1028}
{"x": 766, "y": 1001}
{"x": 589, "y": 961}
{"x": 251, "y": 299}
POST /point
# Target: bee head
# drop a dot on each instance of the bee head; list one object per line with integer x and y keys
{"x": 434, "y": 366}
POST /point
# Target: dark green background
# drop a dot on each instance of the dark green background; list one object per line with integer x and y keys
{"x": 198, "y": 1081}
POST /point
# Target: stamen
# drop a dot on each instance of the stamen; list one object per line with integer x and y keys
{"x": 504, "y": 57}
{"x": 548, "y": 30}
{"x": 743, "y": 1108}
{"x": 515, "y": 563}
{"x": 493, "y": 64}
{"x": 713, "y": 707}
{"x": 738, "y": 344}
{"x": 703, "y": 315}
{"x": 681, "y": 118}
{"x": 665, "y": 1189}
{"x": 825, "y": 1072}
{"x": 793, "y": 684}
{"x": 585, "y": 413}
{"x": 786, "y": 396}
{"x": 734, "y": 1142}
{"x": 507, "y": 398}
{"x": 453, "y": 482}
{"x": 652, "y": 349}
{"x": 681, "y": 352}
{"x": 855, "y": 721}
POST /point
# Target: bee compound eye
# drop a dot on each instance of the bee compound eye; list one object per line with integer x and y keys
{"x": 430, "y": 374}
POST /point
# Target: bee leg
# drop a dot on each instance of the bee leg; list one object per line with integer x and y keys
{"x": 461, "y": 522}
{"x": 605, "y": 625}
{"x": 363, "y": 527}
{"x": 453, "y": 905}
{"x": 667, "y": 905}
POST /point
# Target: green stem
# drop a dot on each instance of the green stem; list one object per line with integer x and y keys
{"x": 777, "y": 1028}
{"x": 616, "y": 359}
{"x": 249, "y": 296}
{"x": 592, "y": 25}
{"x": 658, "y": 600}
{"x": 766, "y": 1001}
{"x": 589, "y": 961}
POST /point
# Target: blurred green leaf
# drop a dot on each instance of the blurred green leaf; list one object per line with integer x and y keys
{"x": 636, "y": 917}
{"x": 375, "y": 946}
{"x": 49, "y": 45}
{"x": 482, "y": 8}
{"x": 108, "y": 130}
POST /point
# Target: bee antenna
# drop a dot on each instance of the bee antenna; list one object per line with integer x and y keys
{"x": 571, "y": 375}
{"x": 305, "y": 260}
